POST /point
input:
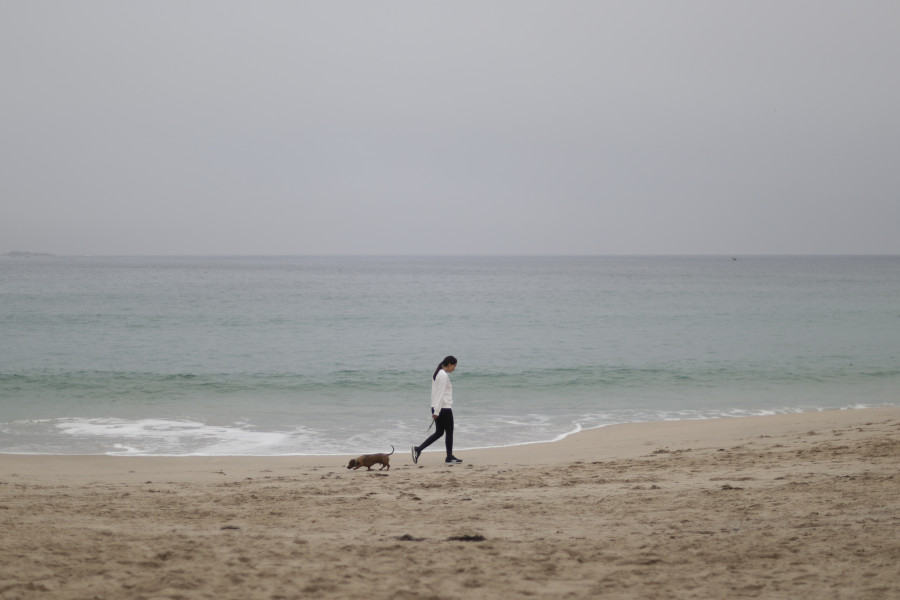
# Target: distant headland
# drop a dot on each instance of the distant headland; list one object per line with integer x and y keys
{"x": 19, "y": 254}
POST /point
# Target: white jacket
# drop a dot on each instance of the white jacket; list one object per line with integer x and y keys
{"x": 441, "y": 392}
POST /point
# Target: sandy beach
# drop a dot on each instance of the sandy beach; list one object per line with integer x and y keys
{"x": 788, "y": 506}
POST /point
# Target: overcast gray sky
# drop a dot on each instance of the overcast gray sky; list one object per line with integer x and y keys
{"x": 489, "y": 127}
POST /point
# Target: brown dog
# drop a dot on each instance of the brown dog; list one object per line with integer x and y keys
{"x": 367, "y": 460}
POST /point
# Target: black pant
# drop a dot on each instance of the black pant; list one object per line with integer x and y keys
{"x": 442, "y": 425}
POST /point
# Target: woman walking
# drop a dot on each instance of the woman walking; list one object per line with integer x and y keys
{"x": 441, "y": 411}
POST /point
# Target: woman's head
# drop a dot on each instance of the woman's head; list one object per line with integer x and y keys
{"x": 448, "y": 364}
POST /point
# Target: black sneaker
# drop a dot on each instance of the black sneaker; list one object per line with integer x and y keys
{"x": 415, "y": 454}
{"x": 452, "y": 460}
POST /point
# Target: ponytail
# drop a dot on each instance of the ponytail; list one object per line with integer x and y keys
{"x": 449, "y": 360}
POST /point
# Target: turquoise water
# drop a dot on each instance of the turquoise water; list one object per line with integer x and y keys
{"x": 333, "y": 355}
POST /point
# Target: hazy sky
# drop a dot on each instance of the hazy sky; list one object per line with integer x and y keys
{"x": 463, "y": 127}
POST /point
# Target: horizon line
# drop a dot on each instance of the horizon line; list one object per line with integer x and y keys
{"x": 29, "y": 254}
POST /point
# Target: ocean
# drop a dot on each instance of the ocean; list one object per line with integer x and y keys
{"x": 262, "y": 356}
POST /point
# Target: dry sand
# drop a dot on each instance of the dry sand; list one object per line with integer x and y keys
{"x": 790, "y": 506}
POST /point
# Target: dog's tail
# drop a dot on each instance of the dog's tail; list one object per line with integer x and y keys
{"x": 392, "y": 450}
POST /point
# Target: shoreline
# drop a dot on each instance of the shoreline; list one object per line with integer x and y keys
{"x": 617, "y": 441}
{"x": 578, "y": 430}
{"x": 799, "y": 506}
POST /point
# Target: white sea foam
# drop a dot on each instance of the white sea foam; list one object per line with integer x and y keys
{"x": 178, "y": 437}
